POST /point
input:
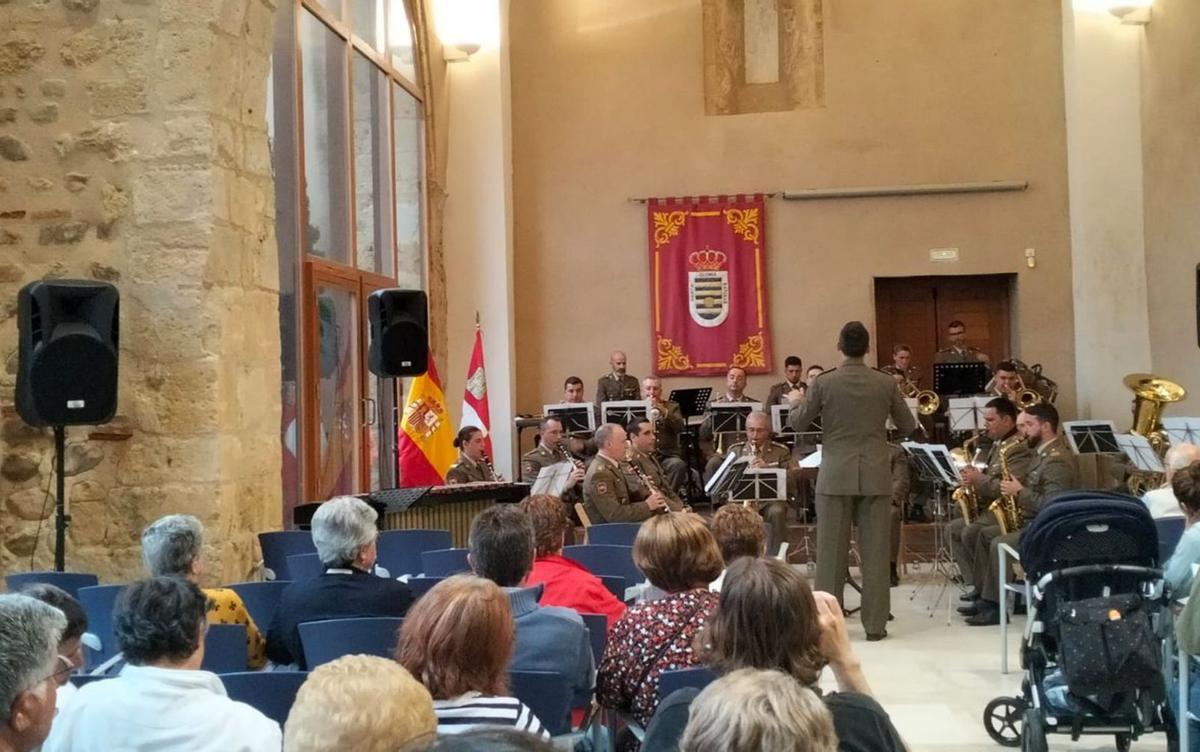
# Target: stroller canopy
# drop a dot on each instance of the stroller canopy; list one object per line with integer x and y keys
{"x": 1089, "y": 527}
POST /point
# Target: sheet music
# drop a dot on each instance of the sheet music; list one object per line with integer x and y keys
{"x": 552, "y": 479}
{"x": 1182, "y": 430}
{"x": 812, "y": 460}
{"x": 966, "y": 413}
{"x": 1140, "y": 453}
{"x": 940, "y": 455}
{"x": 779, "y": 422}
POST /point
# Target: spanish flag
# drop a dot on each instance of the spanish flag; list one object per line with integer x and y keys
{"x": 426, "y": 437}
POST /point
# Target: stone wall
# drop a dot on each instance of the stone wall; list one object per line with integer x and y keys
{"x": 133, "y": 149}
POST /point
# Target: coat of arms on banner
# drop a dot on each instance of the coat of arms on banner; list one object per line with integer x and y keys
{"x": 708, "y": 287}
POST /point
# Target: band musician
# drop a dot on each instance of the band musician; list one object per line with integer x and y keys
{"x": 1006, "y": 381}
{"x": 645, "y": 474}
{"x": 902, "y": 363}
{"x": 793, "y": 381}
{"x": 580, "y": 445}
{"x": 667, "y": 423}
{"x": 958, "y": 351}
{"x": 735, "y": 391}
{"x": 552, "y": 449}
{"x": 606, "y": 496}
{"x": 616, "y": 384}
{"x": 473, "y": 465}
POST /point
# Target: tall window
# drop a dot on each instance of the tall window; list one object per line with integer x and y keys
{"x": 347, "y": 133}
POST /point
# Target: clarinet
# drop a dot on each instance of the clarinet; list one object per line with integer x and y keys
{"x": 568, "y": 457}
{"x": 487, "y": 462}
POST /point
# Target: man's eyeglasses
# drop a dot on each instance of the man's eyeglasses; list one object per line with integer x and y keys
{"x": 63, "y": 672}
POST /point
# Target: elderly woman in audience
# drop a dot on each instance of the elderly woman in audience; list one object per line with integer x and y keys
{"x": 768, "y": 618}
{"x": 564, "y": 582}
{"x": 161, "y": 700}
{"x": 344, "y": 532}
{"x": 678, "y": 555}
{"x": 359, "y": 702}
{"x": 171, "y": 547}
{"x": 1178, "y": 570}
{"x": 739, "y": 532}
{"x": 70, "y": 645}
{"x": 457, "y": 640}
{"x": 1162, "y": 501}
{"x": 751, "y": 710}
{"x": 30, "y": 670}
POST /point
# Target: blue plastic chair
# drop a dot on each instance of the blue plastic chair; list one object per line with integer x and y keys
{"x": 271, "y": 693}
{"x": 613, "y": 533}
{"x": 224, "y": 648}
{"x": 98, "y": 602}
{"x": 422, "y": 585}
{"x": 305, "y": 566}
{"x": 325, "y": 641}
{"x": 548, "y": 695}
{"x": 261, "y": 599}
{"x": 698, "y": 677}
{"x": 614, "y": 585}
{"x": 597, "y": 626}
{"x": 444, "y": 562}
{"x": 1170, "y": 530}
{"x": 400, "y": 550}
{"x": 69, "y": 581}
{"x": 607, "y": 560}
{"x": 278, "y": 545}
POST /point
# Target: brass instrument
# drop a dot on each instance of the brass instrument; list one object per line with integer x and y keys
{"x": 928, "y": 400}
{"x": 1151, "y": 394}
{"x": 655, "y": 416}
{"x": 964, "y": 495}
{"x": 1006, "y": 509}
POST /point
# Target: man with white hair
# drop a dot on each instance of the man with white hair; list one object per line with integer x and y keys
{"x": 344, "y": 533}
{"x": 1161, "y": 501}
{"x": 29, "y": 670}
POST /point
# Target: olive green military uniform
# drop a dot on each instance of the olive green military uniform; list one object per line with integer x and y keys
{"x": 774, "y": 513}
{"x": 706, "y": 428}
{"x": 854, "y": 483}
{"x": 650, "y": 467}
{"x": 965, "y": 355}
{"x": 963, "y": 535}
{"x": 779, "y": 394}
{"x": 901, "y": 484}
{"x": 467, "y": 470}
{"x": 611, "y": 388}
{"x": 606, "y": 496}
{"x": 1051, "y": 471}
{"x": 670, "y": 454}
{"x": 532, "y": 463}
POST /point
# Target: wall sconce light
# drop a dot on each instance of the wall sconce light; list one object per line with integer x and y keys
{"x": 1131, "y": 12}
{"x": 465, "y": 27}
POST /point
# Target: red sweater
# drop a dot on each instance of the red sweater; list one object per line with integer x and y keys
{"x": 569, "y": 584}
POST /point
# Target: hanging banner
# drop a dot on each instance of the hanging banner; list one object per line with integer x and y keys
{"x": 708, "y": 285}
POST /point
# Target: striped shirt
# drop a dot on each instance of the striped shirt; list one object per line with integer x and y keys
{"x": 473, "y": 709}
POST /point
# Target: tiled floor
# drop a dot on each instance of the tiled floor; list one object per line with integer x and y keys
{"x": 934, "y": 680}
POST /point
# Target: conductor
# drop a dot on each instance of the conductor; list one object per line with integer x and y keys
{"x": 854, "y": 484}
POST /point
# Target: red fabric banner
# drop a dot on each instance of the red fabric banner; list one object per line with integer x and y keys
{"x": 475, "y": 410}
{"x": 708, "y": 285}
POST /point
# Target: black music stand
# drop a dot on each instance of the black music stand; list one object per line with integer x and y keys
{"x": 692, "y": 402}
{"x": 729, "y": 417}
{"x": 576, "y": 417}
{"x": 959, "y": 379}
{"x": 936, "y": 467}
{"x": 1092, "y": 436}
{"x": 760, "y": 484}
{"x": 726, "y": 477}
{"x": 624, "y": 412}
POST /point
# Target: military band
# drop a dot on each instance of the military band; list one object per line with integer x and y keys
{"x": 616, "y": 384}
{"x": 473, "y": 465}
{"x": 606, "y": 493}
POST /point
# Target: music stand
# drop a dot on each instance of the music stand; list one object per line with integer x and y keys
{"x": 576, "y": 417}
{"x": 727, "y": 474}
{"x": 779, "y": 424}
{"x": 1182, "y": 430}
{"x": 912, "y": 408}
{"x": 624, "y": 412}
{"x": 1140, "y": 453}
{"x": 966, "y": 413}
{"x": 760, "y": 484}
{"x": 692, "y": 402}
{"x": 1092, "y": 436}
{"x": 959, "y": 379}
{"x": 936, "y": 466}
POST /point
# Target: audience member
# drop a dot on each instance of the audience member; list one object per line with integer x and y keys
{"x": 30, "y": 667}
{"x": 768, "y": 618}
{"x": 751, "y": 710}
{"x": 1178, "y": 570}
{"x": 678, "y": 555}
{"x": 491, "y": 740}
{"x": 171, "y": 547}
{"x": 70, "y": 645}
{"x": 457, "y": 640}
{"x": 1161, "y": 501}
{"x": 359, "y": 702}
{"x": 161, "y": 700}
{"x": 344, "y": 533}
{"x": 548, "y": 638}
{"x": 564, "y": 582}
{"x": 739, "y": 532}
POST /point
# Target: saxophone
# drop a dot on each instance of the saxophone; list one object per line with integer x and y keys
{"x": 964, "y": 495}
{"x": 1006, "y": 509}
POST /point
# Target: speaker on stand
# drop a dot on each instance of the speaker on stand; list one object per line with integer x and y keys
{"x": 68, "y": 334}
{"x": 399, "y": 325}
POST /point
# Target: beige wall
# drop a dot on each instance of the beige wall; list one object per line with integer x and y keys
{"x": 1171, "y": 163}
{"x": 607, "y": 103}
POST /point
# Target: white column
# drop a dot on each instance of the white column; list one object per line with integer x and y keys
{"x": 478, "y": 225}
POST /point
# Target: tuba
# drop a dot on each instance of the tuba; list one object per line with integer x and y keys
{"x": 1006, "y": 509}
{"x": 1151, "y": 394}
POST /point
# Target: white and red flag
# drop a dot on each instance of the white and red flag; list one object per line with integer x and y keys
{"x": 475, "y": 398}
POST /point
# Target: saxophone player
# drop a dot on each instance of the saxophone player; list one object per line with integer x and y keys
{"x": 646, "y": 476}
{"x": 1051, "y": 471}
{"x": 473, "y": 465}
{"x": 667, "y": 423}
{"x": 1008, "y": 450}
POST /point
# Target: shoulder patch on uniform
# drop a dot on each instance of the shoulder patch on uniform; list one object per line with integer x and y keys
{"x": 601, "y": 486}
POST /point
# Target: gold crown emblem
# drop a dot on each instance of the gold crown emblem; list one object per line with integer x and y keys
{"x": 707, "y": 260}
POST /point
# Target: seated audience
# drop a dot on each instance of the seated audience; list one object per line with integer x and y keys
{"x": 359, "y": 702}
{"x": 564, "y": 582}
{"x": 768, "y": 618}
{"x": 549, "y": 638}
{"x": 491, "y": 740}
{"x": 1178, "y": 570}
{"x": 679, "y": 556}
{"x": 161, "y": 700}
{"x": 344, "y": 533}
{"x": 171, "y": 548}
{"x": 751, "y": 710}
{"x": 739, "y": 532}
{"x": 70, "y": 645}
{"x": 30, "y": 670}
{"x": 457, "y": 640}
{"x": 1161, "y": 501}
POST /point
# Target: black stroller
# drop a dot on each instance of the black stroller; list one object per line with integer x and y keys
{"x": 1092, "y": 650}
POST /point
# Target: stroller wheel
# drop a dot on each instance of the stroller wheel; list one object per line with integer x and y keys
{"x": 1124, "y": 742}
{"x": 1033, "y": 734}
{"x": 1002, "y": 719}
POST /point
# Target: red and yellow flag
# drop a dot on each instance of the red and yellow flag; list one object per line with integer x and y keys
{"x": 426, "y": 436}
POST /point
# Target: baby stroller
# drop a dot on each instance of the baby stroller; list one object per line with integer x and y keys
{"x": 1092, "y": 651}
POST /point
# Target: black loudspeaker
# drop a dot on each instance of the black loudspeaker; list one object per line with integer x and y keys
{"x": 399, "y": 333}
{"x": 67, "y": 352}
